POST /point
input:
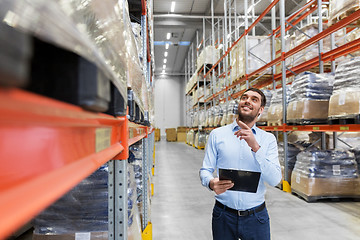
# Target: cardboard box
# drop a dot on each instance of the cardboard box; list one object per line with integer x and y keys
{"x": 171, "y": 134}
{"x": 72, "y": 236}
{"x": 181, "y": 129}
{"x": 333, "y": 186}
{"x": 307, "y": 110}
{"x": 181, "y": 136}
{"x": 157, "y": 134}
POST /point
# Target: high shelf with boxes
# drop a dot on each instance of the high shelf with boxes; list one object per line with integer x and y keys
{"x": 305, "y": 45}
{"x": 64, "y": 76}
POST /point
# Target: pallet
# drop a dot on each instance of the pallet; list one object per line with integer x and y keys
{"x": 343, "y": 120}
{"x": 262, "y": 124}
{"x": 275, "y": 123}
{"x": 307, "y": 122}
{"x": 311, "y": 199}
{"x": 350, "y": 9}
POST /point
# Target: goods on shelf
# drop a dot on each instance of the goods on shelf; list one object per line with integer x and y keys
{"x": 309, "y": 98}
{"x": 192, "y": 81}
{"x": 259, "y": 49}
{"x": 350, "y": 141}
{"x": 202, "y": 118}
{"x": 218, "y": 113}
{"x": 264, "y": 116}
{"x": 15, "y": 54}
{"x": 342, "y": 9}
{"x": 275, "y": 112}
{"x": 305, "y": 33}
{"x": 210, "y": 117}
{"x": 209, "y": 55}
{"x": 322, "y": 174}
{"x": 190, "y": 137}
{"x": 200, "y": 140}
{"x": 232, "y": 111}
{"x": 291, "y": 158}
{"x": 84, "y": 209}
{"x": 134, "y": 192}
{"x": 195, "y": 122}
{"x": 345, "y": 100}
{"x": 99, "y": 32}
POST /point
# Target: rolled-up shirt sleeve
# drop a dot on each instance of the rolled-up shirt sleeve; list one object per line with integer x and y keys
{"x": 209, "y": 163}
{"x": 268, "y": 159}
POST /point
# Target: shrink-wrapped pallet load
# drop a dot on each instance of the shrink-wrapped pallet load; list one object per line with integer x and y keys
{"x": 341, "y": 9}
{"x": 232, "y": 111}
{"x": 345, "y": 100}
{"x": 309, "y": 98}
{"x": 210, "y": 55}
{"x": 325, "y": 174}
{"x": 259, "y": 49}
{"x": 275, "y": 111}
{"x": 264, "y": 116}
{"x": 291, "y": 159}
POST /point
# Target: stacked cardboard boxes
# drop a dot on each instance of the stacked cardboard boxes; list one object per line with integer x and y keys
{"x": 171, "y": 134}
{"x": 181, "y": 134}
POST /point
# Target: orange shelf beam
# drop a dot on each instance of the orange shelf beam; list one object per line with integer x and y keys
{"x": 314, "y": 128}
{"x": 46, "y": 148}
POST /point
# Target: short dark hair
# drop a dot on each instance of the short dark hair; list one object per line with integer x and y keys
{"x": 263, "y": 98}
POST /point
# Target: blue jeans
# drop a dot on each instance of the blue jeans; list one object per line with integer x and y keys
{"x": 229, "y": 226}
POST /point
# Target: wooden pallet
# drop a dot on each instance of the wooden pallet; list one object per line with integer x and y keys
{"x": 349, "y": 119}
{"x": 311, "y": 199}
{"x": 274, "y": 123}
{"x": 307, "y": 121}
{"x": 350, "y": 9}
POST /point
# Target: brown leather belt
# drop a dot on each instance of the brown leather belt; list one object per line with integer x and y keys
{"x": 241, "y": 213}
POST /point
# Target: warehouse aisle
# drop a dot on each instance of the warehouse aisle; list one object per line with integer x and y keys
{"x": 181, "y": 207}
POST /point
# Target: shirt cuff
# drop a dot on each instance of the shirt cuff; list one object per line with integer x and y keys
{"x": 259, "y": 155}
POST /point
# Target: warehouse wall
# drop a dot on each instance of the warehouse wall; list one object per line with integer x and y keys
{"x": 169, "y": 102}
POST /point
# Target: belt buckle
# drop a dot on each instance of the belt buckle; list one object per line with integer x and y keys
{"x": 243, "y": 213}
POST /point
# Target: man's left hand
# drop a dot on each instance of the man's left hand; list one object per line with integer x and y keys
{"x": 246, "y": 133}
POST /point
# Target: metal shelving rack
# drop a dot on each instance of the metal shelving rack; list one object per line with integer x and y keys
{"x": 49, "y": 146}
{"x": 287, "y": 23}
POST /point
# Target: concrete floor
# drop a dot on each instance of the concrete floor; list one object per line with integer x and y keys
{"x": 181, "y": 208}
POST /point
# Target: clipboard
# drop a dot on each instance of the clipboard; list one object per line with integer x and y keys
{"x": 244, "y": 181}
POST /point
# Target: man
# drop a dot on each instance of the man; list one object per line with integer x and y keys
{"x": 242, "y": 146}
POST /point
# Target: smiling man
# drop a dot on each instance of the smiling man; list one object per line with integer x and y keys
{"x": 241, "y": 146}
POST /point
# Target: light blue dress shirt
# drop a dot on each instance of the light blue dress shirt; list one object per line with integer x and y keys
{"x": 225, "y": 150}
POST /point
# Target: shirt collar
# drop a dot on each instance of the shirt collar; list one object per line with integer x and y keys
{"x": 235, "y": 127}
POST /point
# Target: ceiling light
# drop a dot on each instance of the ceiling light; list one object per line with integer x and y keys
{"x": 164, "y": 66}
{"x": 165, "y": 60}
{"x": 165, "y": 54}
{"x": 167, "y": 46}
{"x": 172, "y": 6}
{"x": 168, "y": 35}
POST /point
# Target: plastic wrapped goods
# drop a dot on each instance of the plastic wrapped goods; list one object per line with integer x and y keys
{"x": 210, "y": 55}
{"x": 345, "y": 100}
{"x": 292, "y": 153}
{"x": 82, "y": 209}
{"x": 275, "y": 112}
{"x": 341, "y": 9}
{"x": 264, "y": 116}
{"x": 329, "y": 173}
{"x": 232, "y": 111}
{"x": 259, "y": 55}
{"x": 200, "y": 140}
{"x": 309, "y": 98}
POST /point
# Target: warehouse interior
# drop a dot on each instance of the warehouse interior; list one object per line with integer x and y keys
{"x": 107, "y": 108}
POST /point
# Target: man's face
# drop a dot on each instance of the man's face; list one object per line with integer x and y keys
{"x": 250, "y": 106}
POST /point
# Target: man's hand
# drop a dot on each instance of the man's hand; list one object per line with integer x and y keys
{"x": 220, "y": 186}
{"x": 246, "y": 133}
